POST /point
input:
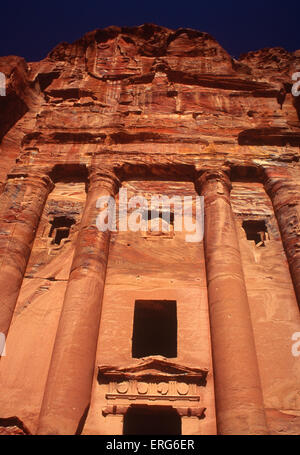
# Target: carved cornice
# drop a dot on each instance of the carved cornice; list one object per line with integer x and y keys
{"x": 155, "y": 379}
{"x": 153, "y": 367}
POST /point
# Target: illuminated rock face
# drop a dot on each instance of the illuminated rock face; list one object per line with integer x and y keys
{"x": 118, "y": 332}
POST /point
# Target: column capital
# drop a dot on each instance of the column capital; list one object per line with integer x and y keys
{"x": 215, "y": 177}
{"x": 275, "y": 178}
{"x": 281, "y": 187}
{"x": 103, "y": 178}
{"x": 34, "y": 178}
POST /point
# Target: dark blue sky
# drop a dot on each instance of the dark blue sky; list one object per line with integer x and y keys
{"x": 32, "y": 28}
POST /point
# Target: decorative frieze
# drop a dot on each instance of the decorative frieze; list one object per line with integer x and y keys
{"x": 154, "y": 378}
{"x": 165, "y": 390}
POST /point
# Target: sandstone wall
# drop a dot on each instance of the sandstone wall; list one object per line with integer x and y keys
{"x": 155, "y": 109}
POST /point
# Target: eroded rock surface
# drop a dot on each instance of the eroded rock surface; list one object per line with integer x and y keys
{"x": 149, "y": 109}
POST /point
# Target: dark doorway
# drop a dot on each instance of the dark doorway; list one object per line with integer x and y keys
{"x": 154, "y": 328}
{"x": 153, "y": 420}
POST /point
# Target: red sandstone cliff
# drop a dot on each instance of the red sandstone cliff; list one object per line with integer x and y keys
{"x": 148, "y": 83}
{"x": 156, "y": 106}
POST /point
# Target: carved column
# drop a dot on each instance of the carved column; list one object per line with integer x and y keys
{"x": 22, "y": 204}
{"x": 68, "y": 388}
{"x": 285, "y": 197}
{"x": 239, "y": 401}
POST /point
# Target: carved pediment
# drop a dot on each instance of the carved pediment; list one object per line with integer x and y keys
{"x": 153, "y": 367}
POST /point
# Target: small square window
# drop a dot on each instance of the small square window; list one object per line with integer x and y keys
{"x": 256, "y": 230}
{"x": 60, "y": 228}
{"x": 159, "y": 224}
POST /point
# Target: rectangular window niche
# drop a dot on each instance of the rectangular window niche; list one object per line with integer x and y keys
{"x": 154, "y": 328}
